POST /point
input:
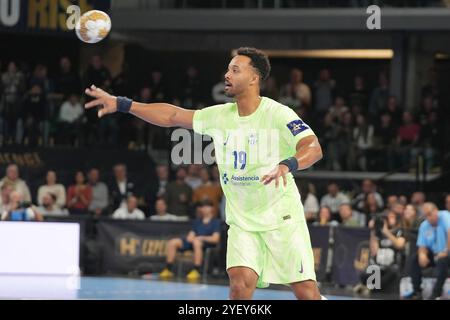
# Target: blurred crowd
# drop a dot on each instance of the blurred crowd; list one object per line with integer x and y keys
{"x": 366, "y": 129}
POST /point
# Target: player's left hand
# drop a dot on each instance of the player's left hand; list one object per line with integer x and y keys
{"x": 275, "y": 174}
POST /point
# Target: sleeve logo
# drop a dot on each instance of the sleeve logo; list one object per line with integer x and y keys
{"x": 297, "y": 126}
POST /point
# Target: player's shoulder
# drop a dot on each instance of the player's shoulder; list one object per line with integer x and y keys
{"x": 220, "y": 107}
{"x": 277, "y": 108}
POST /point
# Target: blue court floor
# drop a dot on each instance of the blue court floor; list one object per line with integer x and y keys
{"x": 106, "y": 288}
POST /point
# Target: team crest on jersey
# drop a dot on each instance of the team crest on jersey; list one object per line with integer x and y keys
{"x": 297, "y": 126}
{"x": 252, "y": 139}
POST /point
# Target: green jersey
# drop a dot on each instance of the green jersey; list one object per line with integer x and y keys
{"x": 247, "y": 148}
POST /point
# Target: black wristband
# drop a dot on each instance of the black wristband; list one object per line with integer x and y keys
{"x": 124, "y": 104}
{"x": 291, "y": 163}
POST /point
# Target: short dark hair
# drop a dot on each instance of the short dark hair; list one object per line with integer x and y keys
{"x": 259, "y": 60}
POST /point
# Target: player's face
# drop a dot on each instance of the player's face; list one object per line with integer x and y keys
{"x": 240, "y": 76}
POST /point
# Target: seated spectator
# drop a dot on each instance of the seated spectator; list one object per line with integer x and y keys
{"x": 310, "y": 202}
{"x": 367, "y": 187}
{"x": 433, "y": 249}
{"x": 193, "y": 179}
{"x": 333, "y": 199}
{"x": 162, "y": 214}
{"x": 179, "y": 194}
{"x": 205, "y": 233}
{"x": 79, "y": 195}
{"x": 57, "y": 189}
{"x": 325, "y": 218}
{"x": 162, "y": 172}
{"x": 347, "y": 218}
{"x": 5, "y": 191}
{"x": 410, "y": 224}
{"x": 34, "y": 110}
{"x": 70, "y": 120}
{"x": 20, "y": 210}
{"x": 207, "y": 191}
{"x": 407, "y": 137}
{"x": 363, "y": 140}
{"x": 12, "y": 177}
{"x": 387, "y": 243}
{"x": 50, "y": 208}
{"x": 297, "y": 90}
{"x": 391, "y": 200}
{"x": 121, "y": 187}
{"x": 338, "y": 109}
{"x": 418, "y": 199}
{"x": 130, "y": 212}
{"x": 371, "y": 208}
{"x": 99, "y": 202}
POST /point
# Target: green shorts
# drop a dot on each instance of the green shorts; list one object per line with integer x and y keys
{"x": 280, "y": 256}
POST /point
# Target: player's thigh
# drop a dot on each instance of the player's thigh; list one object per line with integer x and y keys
{"x": 290, "y": 256}
{"x": 245, "y": 249}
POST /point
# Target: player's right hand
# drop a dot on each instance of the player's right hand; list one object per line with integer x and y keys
{"x": 107, "y": 102}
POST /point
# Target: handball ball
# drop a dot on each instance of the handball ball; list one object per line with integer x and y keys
{"x": 93, "y": 26}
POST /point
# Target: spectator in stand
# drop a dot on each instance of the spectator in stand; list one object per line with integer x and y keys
{"x": 100, "y": 201}
{"x": 12, "y": 177}
{"x": 50, "y": 208}
{"x": 179, "y": 194}
{"x": 367, "y": 187}
{"x": 13, "y": 83}
{"x": 331, "y": 143}
{"x": 345, "y": 140}
{"x": 310, "y": 202}
{"x": 193, "y": 176}
{"x": 162, "y": 214}
{"x": 398, "y": 208}
{"x": 70, "y": 120}
{"x": 79, "y": 195}
{"x": 157, "y": 84}
{"x": 324, "y": 92}
{"x": 207, "y": 191}
{"x": 391, "y": 200}
{"x": 433, "y": 250}
{"x": 358, "y": 95}
{"x": 428, "y": 106}
{"x": 298, "y": 89}
{"x": 67, "y": 82}
{"x": 430, "y": 141}
{"x": 138, "y": 128}
{"x": 387, "y": 245}
{"x": 371, "y": 207}
{"x": 56, "y": 189}
{"x": 363, "y": 139}
{"x": 121, "y": 187}
{"x": 418, "y": 199}
{"x": 130, "y": 211}
{"x": 384, "y": 139}
{"x": 325, "y": 218}
{"x": 348, "y": 217}
{"x": 162, "y": 172}
{"x": 379, "y": 96}
{"x": 334, "y": 199}
{"x": 192, "y": 92}
{"x": 20, "y": 210}
{"x": 393, "y": 109}
{"x": 410, "y": 225}
{"x": 339, "y": 108}
{"x": 270, "y": 89}
{"x": 34, "y": 113}
{"x": 407, "y": 137}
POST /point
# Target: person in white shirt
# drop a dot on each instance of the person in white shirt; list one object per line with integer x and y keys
{"x": 130, "y": 211}
{"x": 333, "y": 199}
{"x": 12, "y": 177}
{"x": 50, "y": 208}
{"x": 163, "y": 215}
{"x": 193, "y": 177}
{"x": 18, "y": 210}
{"x": 54, "y": 188}
{"x": 71, "y": 110}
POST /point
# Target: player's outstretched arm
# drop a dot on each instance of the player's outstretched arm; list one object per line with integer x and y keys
{"x": 160, "y": 114}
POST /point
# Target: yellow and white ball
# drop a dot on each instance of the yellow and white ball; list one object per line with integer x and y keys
{"x": 93, "y": 26}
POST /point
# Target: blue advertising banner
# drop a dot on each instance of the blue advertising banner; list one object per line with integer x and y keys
{"x": 350, "y": 255}
{"x": 320, "y": 241}
{"x": 42, "y": 16}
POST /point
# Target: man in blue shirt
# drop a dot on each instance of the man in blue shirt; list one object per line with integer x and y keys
{"x": 205, "y": 233}
{"x": 433, "y": 245}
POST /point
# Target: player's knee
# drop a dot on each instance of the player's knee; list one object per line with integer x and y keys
{"x": 238, "y": 289}
{"x": 173, "y": 243}
{"x": 307, "y": 291}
